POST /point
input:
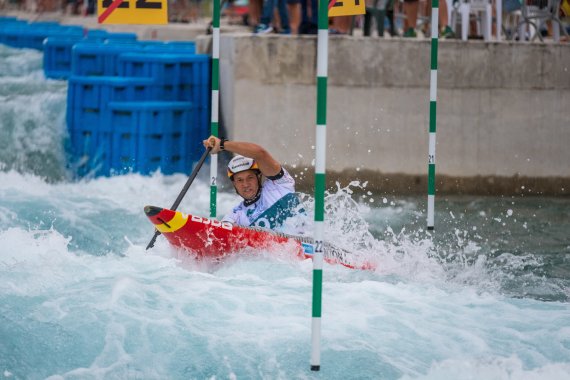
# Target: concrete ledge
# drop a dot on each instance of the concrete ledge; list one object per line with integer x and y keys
{"x": 397, "y": 184}
{"x": 404, "y": 63}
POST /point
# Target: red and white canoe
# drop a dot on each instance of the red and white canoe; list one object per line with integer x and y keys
{"x": 211, "y": 238}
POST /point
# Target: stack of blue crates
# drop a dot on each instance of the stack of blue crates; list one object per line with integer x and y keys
{"x": 123, "y": 119}
{"x": 58, "y": 49}
{"x": 21, "y": 34}
{"x": 178, "y": 77}
{"x": 150, "y": 135}
{"x": 132, "y": 106}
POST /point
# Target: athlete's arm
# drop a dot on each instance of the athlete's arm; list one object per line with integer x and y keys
{"x": 267, "y": 164}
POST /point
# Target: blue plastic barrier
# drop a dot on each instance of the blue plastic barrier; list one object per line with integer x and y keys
{"x": 141, "y": 137}
{"x": 9, "y": 20}
{"x": 167, "y": 68}
{"x": 58, "y": 52}
{"x": 89, "y": 97}
{"x": 102, "y": 59}
{"x": 172, "y": 47}
{"x": 91, "y": 92}
{"x": 57, "y": 56}
{"x": 97, "y": 33}
{"x": 148, "y": 136}
{"x": 91, "y": 152}
{"x": 32, "y": 36}
{"x": 46, "y": 24}
{"x": 121, "y": 37}
{"x": 99, "y": 59}
{"x": 133, "y": 107}
{"x": 178, "y": 77}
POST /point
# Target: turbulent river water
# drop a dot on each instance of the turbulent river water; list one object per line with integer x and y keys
{"x": 486, "y": 296}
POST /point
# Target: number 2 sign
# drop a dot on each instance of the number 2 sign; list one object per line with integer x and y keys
{"x": 132, "y": 11}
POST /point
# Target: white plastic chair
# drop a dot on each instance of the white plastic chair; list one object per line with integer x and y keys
{"x": 536, "y": 12}
{"x": 480, "y": 9}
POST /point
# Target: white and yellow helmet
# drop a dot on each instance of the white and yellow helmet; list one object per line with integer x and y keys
{"x": 240, "y": 164}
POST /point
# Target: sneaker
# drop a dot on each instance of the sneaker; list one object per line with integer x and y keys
{"x": 263, "y": 29}
{"x": 285, "y": 31}
{"x": 447, "y": 32}
{"x": 410, "y": 33}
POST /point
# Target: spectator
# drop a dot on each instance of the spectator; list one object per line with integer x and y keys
{"x": 309, "y": 17}
{"x": 340, "y": 24}
{"x": 411, "y": 8}
{"x": 267, "y": 15}
{"x": 254, "y": 13}
{"x": 378, "y": 10}
{"x": 444, "y": 30}
{"x": 294, "y": 8}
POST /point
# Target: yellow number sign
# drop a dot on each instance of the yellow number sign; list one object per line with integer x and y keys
{"x": 132, "y": 11}
{"x": 346, "y": 7}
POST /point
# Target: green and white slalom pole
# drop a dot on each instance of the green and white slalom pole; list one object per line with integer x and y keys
{"x": 322, "y": 72}
{"x": 215, "y": 104}
{"x": 432, "y": 114}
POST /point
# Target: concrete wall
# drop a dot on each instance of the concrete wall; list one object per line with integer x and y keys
{"x": 503, "y": 108}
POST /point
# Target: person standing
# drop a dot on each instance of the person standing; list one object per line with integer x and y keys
{"x": 411, "y": 8}
{"x": 265, "y": 26}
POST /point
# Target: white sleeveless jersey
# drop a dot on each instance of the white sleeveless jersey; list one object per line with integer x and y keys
{"x": 271, "y": 192}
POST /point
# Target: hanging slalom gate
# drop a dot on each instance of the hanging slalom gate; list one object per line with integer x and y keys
{"x": 432, "y": 115}
{"x": 215, "y": 95}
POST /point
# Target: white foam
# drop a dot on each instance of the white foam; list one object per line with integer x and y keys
{"x": 493, "y": 368}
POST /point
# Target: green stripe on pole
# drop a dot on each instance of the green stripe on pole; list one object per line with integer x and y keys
{"x": 434, "y": 48}
{"x": 321, "y": 100}
{"x": 216, "y": 15}
{"x": 432, "y": 116}
{"x": 431, "y": 179}
{"x": 319, "y": 197}
{"x": 214, "y": 128}
{"x": 213, "y": 195}
{"x": 317, "y": 292}
{"x": 323, "y": 14}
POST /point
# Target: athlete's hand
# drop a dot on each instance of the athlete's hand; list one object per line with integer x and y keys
{"x": 212, "y": 142}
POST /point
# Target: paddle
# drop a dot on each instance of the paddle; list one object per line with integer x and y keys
{"x": 183, "y": 192}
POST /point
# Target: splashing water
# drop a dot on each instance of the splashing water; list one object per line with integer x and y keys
{"x": 484, "y": 296}
{"x": 32, "y": 112}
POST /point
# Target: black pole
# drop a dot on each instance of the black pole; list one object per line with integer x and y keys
{"x": 183, "y": 192}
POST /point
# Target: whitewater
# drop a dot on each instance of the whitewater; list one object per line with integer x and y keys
{"x": 485, "y": 296}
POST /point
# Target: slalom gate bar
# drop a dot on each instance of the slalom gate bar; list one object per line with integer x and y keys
{"x": 320, "y": 164}
{"x": 432, "y": 114}
{"x": 214, "y": 130}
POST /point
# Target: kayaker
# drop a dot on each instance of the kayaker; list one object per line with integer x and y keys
{"x": 267, "y": 189}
